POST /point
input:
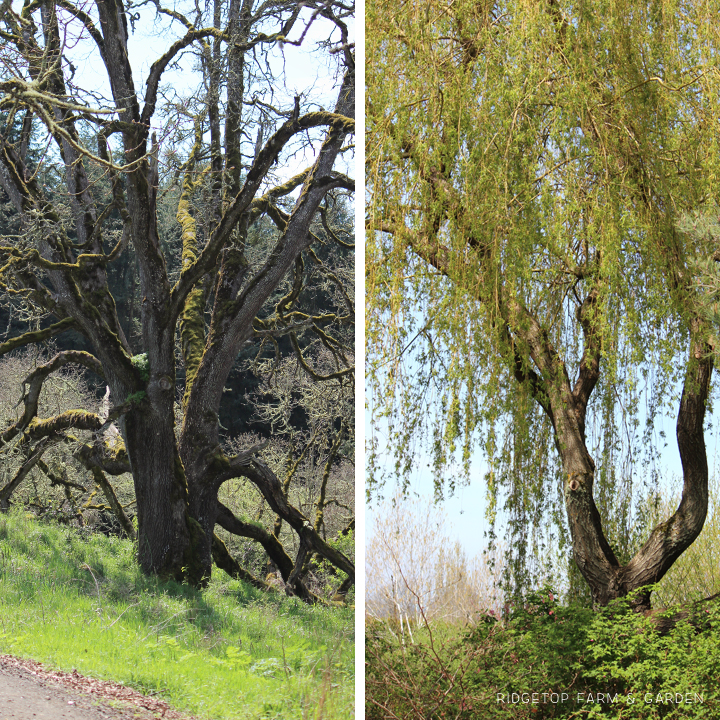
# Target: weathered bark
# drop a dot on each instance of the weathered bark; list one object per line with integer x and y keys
{"x": 167, "y": 535}
{"x": 595, "y": 559}
{"x": 175, "y": 519}
{"x": 237, "y": 303}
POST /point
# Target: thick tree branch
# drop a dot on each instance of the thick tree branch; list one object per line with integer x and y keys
{"x": 267, "y": 482}
{"x": 35, "y": 380}
{"x": 276, "y": 552}
{"x": 112, "y": 459}
{"x": 589, "y": 370}
{"x": 273, "y": 547}
{"x": 672, "y": 537}
{"x": 268, "y": 155}
{"x": 225, "y": 561}
{"x": 35, "y": 336}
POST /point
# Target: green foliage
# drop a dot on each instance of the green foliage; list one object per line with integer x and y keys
{"x": 142, "y": 365}
{"x": 344, "y": 543}
{"x": 522, "y": 158}
{"x": 546, "y": 660}
{"x": 78, "y": 600}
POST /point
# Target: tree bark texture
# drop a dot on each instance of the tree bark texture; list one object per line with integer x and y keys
{"x": 595, "y": 559}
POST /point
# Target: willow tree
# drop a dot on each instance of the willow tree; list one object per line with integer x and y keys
{"x": 244, "y": 151}
{"x": 540, "y": 260}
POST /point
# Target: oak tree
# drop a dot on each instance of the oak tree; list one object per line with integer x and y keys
{"x": 225, "y": 138}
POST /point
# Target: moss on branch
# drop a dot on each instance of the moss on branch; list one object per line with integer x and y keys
{"x": 35, "y": 336}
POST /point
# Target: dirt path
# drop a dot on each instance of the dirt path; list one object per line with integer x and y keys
{"x": 30, "y": 692}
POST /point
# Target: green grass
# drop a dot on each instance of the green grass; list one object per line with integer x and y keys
{"x": 74, "y": 600}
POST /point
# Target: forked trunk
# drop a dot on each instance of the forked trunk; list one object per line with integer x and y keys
{"x": 607, "y": 578}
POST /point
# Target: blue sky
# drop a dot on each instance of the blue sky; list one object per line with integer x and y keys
{"x": 465, "y": 509}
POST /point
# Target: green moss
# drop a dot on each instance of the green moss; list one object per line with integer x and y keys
{"x": 192, "y": 335}
{"x": 136, "y": 397}
{"x": 219, "y": 462}
{"x": 68, "y": 419}
{"x": 35, "y": 336}
{"x": 180, "y": 472}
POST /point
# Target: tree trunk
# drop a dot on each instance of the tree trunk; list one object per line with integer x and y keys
{"x": 175, "y": 521}
{"x": 166, "y": 534}
{"x": 608, "y": 579}
{"x": 203, "y": 508}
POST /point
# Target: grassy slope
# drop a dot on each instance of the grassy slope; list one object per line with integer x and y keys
{"x": 77, "y": 601}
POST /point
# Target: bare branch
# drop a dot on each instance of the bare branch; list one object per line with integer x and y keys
{"x": 37, "y": 452}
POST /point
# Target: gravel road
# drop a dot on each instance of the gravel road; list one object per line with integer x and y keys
{"x": 28, "y": 691}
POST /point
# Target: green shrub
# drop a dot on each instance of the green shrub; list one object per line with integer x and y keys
{"x": 546, "y": 660}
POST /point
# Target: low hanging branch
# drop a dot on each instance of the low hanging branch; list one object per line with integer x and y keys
{"x": 35, "y": 455}
{"x": 276, "y": 552}
{"x": 270, "y": 487}
{"x": 36, "y": 336}
{"x": 273, "y": 547}
{"x": 31, "y": 398}
{"x": 225, "y": 561}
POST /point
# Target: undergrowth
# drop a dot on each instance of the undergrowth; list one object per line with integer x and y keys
{"x": 546, "y": 660}
{"x": 76, "y": 600}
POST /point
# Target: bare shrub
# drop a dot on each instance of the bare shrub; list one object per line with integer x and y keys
{"x": 58, "y": 485}
{"x": 416, "y": 575}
